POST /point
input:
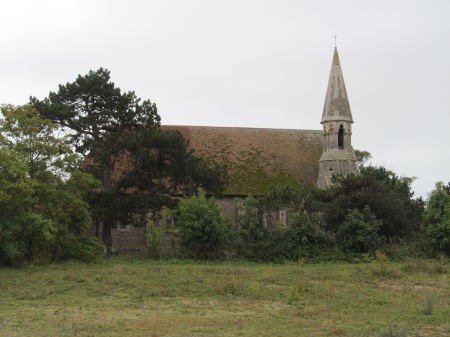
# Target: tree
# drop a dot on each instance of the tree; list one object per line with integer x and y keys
{"x": 203, "y": 229}
{"x": 98, "y": 115}
{"x": 389, "y": 197}
{"x": 139, "y": 164}
{"x": 34, "y": 139}
{"x": 437, "y": 218}
{"x": 362, "y": 157}
{"x": 42, "y": 206}
{"x": 160, "y": 165}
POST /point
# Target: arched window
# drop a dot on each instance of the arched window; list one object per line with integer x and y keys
{"x": 341, "y": 137}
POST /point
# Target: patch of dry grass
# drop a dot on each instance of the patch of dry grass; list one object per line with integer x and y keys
{"x": 148, "y": 298}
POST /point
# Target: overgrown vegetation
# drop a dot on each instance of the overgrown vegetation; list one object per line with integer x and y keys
{"x": 203, "y": 229}
{"x": 129, "y": 297}
{"x": 90, "y": 153}
{"x": 43, "y": 212}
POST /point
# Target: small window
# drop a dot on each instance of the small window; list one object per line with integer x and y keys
{"x": 122, "y": 226}
{"x": 341, "y": 137}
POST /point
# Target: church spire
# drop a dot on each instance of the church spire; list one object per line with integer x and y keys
{"x": 338, "y": 157}
{"x": 336, "y": 107}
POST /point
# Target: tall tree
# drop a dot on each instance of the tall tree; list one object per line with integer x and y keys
{"x": 97, "y": 115}
{"x": 139, "y": 164}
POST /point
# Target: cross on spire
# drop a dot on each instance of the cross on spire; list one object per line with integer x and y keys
{"x": 335, "y": 37}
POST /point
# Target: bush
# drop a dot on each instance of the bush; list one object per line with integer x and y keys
{"x": 83, "y": 248}
{"x": 252, "y": 235}
{"x": 359, "y": 230}
{"x": 154, "y": 239}
{"x": 203, "y": 229}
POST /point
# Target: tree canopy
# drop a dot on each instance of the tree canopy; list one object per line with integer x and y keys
{"x": 42, "y": 209}
{"x": 139, "y": 164}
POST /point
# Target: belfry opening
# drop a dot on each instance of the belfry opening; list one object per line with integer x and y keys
{"x": 341, "y": 137}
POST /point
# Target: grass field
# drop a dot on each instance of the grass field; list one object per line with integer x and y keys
{"x": 126, "y": 297}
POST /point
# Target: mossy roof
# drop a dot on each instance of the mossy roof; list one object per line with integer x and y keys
{"x": 258, "y": 158}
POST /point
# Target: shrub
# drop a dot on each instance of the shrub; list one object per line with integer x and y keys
{"x": 253, "y": 239}
{"x": 428, "y": 304}
{"x": 359, "y": 230}
{"x": 83, "y": 248}
{"x": 203, "y": 229}
{"x": 154, "y": 239}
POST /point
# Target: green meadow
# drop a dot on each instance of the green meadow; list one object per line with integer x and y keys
{"x": 131, "y": 297}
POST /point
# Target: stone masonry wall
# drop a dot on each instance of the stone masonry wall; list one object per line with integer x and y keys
{"x": 124, "y": 240}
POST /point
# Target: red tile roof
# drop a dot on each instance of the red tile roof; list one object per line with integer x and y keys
{"x": 258, "y": 158}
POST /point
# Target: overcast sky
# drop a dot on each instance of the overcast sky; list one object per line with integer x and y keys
{"x": 255, "y": 63}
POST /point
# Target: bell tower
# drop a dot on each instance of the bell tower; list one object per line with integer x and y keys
{"x": 338, "y": 156}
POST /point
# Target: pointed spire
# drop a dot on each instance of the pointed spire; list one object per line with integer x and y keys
{"x": 336, "y": 106}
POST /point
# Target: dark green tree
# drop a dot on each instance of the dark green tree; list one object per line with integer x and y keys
{"x": 389, "y": 197}
{"x": 140, "y": 165}
{"x": 97, "y": 115}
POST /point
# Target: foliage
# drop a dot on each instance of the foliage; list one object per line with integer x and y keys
{"x": 428, "y": 304}
{"x": 153, "y": 238}
{"x": 362, "y": 157}
{"x": 159, "y": 164}
{"x": 41, "y": 194}
{"x": 250, "y": 228}
{"x": 359, "y": 230}
{"x": 203, "y": 229}
{"x": 437, "y": 218}
{"x": 293, "y": 198}
{"x": 388, "y": 196}
{"x": 139, "y": 164}
{"x": 97, "y": 115}
{"x": 304, "y": 235}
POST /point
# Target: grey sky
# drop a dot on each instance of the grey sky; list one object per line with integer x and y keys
{"x": 253, "y": 64}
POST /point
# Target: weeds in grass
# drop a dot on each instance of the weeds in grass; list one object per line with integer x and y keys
{"x": 135, "y": 298}
{"x": 300, "y": 287}
{"x": 417, "y": 334}
{"x": 392, "y": 331}
{"x": 428, "y": 304}
{"x": 423, "y": 266}
{"x": 381, "y": 258}
{"x": 383, "y": 270}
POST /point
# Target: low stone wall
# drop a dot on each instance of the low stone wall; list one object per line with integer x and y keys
{"x": 131, "y": 239}
{"x": 170, "y": 246}
{"x": 128, "y": 239}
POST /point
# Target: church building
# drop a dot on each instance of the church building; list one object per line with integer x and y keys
{"x": 259, "y": 158}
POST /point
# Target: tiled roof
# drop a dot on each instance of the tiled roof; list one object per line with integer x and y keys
{"x": 258, "y": 158}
